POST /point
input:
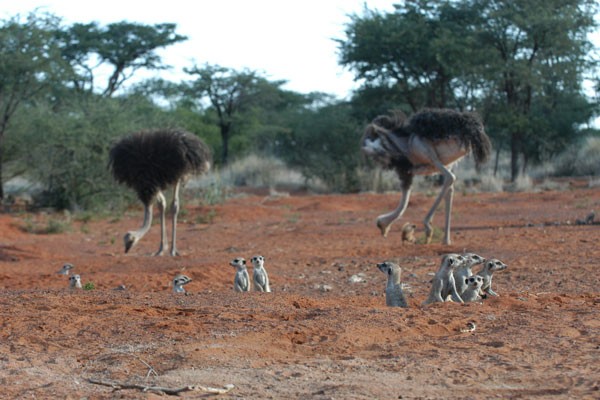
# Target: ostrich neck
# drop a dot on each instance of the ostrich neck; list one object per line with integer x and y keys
{"x": 146, "y": 224}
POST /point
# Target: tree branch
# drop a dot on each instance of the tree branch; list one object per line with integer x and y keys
{"x": 162, "y": 390}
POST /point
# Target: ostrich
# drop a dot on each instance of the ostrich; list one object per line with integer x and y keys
{"x": 150, "y": 162}
{"x": 429, "y": 142}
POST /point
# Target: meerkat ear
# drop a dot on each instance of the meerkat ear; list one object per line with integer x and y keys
{"x": 244, "y": 262}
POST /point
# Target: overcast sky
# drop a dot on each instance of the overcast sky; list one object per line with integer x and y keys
{"x": 283, "y": 40}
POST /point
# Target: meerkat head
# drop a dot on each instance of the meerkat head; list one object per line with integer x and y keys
{"x": 388, "y": 267}
{"x": 474, "y": 282}
{"x": 472, "y": 259}
{"x": 75, "y": 281}
{"x": 452, "y": 261}
{"x": 408, "y": 227}
{"x": 179, "y": 281}
{"x": 258, "y": 261}
{"x": 238, "y": 263}
{"x": 65, "y": 269}
{"x": 494, "y": 265}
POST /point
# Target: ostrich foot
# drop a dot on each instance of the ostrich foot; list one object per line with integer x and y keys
{"x": 428, "y": 234}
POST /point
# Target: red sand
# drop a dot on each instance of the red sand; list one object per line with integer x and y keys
{"x": 540, "y": 338}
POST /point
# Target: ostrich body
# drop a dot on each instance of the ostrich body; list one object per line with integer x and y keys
{"x": 429, "y": 142}
{"x": 149, "y": 163}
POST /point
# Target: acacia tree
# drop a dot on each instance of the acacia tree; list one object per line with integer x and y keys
{"x": 29, "y": 64}
{"x": 125, "y": 47}
{"x": 536, "y": 53}
{"x": 416, "y": 52}
{"x": 230, "y": 94}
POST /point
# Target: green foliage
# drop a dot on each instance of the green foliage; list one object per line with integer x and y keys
{"x": 66, "y": 151}
{"x": 89, "y": 286}
{"x": 580, "y": 159}
{"x": 124, "y": 46}
{"x": 51, "y": 225}
{"x": 324, "y": 144}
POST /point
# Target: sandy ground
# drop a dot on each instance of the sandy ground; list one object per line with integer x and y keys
{"x": 318, "y": 335}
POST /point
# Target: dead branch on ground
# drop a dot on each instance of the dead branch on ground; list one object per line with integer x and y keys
{"x": 162, "y": 390}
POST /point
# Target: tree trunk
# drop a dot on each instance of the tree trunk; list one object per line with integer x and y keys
{"x": 1, "y": 161}
{"x": 225, "y": 145}
{"x": 497, "y": 162}
{"x": 515, "y": 146}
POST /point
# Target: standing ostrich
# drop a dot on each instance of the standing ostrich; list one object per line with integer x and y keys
{"x": 150, "y": 162}
{"x": 429, "y": 142}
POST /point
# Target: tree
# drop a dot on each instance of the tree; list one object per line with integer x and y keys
{"x": 322, "y": 144}
{"x": 29, "y": 64}
{"x": 539, "y": 49}
{"x": 230, "y": 94}
{"x": 418, "y": 51}
{"x": 125, "y": 47}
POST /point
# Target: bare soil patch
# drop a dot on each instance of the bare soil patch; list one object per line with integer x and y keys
{"x": 317, "y": 335}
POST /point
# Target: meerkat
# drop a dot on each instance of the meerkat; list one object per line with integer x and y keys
{"x": 75, "y": 281}
{"x": 394, "y": 297}
{"x": 589, "y": 219}
{"x": 489, "y": 267}
{"x": 408, "y": 233}
{"x": 65, "y": 269}
{"x": 259, "y": 275}
{"x": 241, "y": 282}
{"x": 443, "y": 284}
{"x": 179, "y": 281}
{"x": 465, "y": 270}
{"x": 473, "y": 290}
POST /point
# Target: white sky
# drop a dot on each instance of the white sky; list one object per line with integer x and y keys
{"x": 281, "y": 39}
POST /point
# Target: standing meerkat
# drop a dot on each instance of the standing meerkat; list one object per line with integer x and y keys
{"x": 408, "y": 233}
{"x": 443, "y": 284}
{"x": 473, "y": 288}
{"x": 241, "y": 281}
{"x": 489, "y": 267}
{"x": 179, "y": 281}
{"x": 259, "y": 275}
{"x": 465, "y": 270}
{"x": 394, "y": 297}
{"x": 75, "y": 281}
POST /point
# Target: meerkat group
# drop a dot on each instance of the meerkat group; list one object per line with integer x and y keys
{"x": 461, "y": 285}
{"x": 260, "y": 278}
{"x": 454, "y": 280}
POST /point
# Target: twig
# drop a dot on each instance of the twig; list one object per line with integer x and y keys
{"x": 160, "y": 389}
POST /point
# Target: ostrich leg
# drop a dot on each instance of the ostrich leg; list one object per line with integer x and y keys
{"x": 162, "y": 204}
{"x": 384, "y": 222}
{"x": 449, "y": 197}
{"x": 447, "y": 192}
{"x": 175, "y": 212}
